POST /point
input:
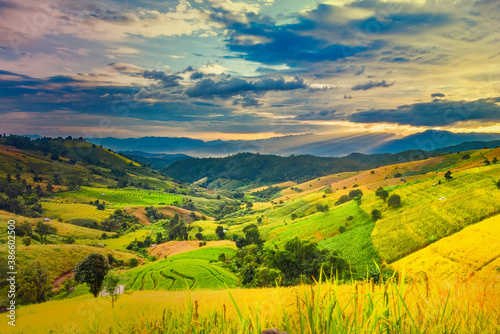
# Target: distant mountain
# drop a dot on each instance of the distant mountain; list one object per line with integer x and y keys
{"x": 470, "y": 145}
{"x": 320, "y": 145}
{"x": 329, "y": 145}
{"x": 156, "y": 160}
{"x": 431, "y": 140}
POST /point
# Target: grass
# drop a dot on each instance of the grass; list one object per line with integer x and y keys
{"x": 68, "y": 211}
{"x": 120, "y": 197}
{"x": 194, "y": 269}
{"x": 58, "y": 259}
{"x": 430, "y": 308}
{"x": 474, "y": 250}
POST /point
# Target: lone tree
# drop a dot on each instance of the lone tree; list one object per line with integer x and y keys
{"x": 394, "y": 201}
{"x": 43, "y": 230}
{"x": 448, "y": 176}
{"x": 383, "y": 194}
{"x": 376, "y": 215}
{"x": 220, "y": 232}
{"x": 111, "y": 286}
{"x": 92, "y": 271}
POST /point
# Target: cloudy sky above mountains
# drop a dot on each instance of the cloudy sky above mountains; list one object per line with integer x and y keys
{"x": 248, "y": 69}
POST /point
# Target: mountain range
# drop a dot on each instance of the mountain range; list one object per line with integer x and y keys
{"x": 329, "y": 145}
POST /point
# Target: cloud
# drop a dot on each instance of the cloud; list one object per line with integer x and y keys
{"x": 166, "y": 80}
{"x": 371, "y": 84}
{"x": 437, "y": 95}
{"x": 315, "y": 116}
{"x": 438, "y": 113}
{"x": 209, "y": 89}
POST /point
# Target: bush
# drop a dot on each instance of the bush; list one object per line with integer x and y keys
{"x": 342, "y": 229}
{"x": 133, "y": 262}
{"x": 376, "y": 215}
{"x": 394, "y": 201}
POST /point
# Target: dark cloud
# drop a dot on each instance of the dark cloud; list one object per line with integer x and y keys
{"x": 437, "y": 95}
{"x": 438, "y": 113}
{"x": 196, "y": 76}
{"x": 209, "y": 89}
{"x": 249, "y": 100}
{"x": 166, "y": 80}
{"x": 371, "y": 84}
{"x": 361, "y": 71}
{"x": 395, "y": 60}
{"x": 315, "y": 116}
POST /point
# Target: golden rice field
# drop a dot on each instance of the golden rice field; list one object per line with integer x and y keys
{"x": 68, "y": 211}
{"x": 466, "y": 307}
{"x": 430, "y": 212}
{"x": 474, "y": 250}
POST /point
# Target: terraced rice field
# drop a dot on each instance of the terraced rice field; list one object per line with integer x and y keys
{"x": 191, "y": 270}
{"x": 356, "y": 247}
{"x": 475, "y": 249}
{"x": 68, "y": 211}
{"x": 431, "y": 212}
{"x": 121, "y": 197}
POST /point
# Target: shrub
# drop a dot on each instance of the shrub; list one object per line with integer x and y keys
{"x": 376, "y": 215}
{"x": 394, "y": 201}
{"x": 133, "y": 262}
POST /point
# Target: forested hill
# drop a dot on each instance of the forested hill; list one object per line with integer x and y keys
{"x": 259, "y": 169}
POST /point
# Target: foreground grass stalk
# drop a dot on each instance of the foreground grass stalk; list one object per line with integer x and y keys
{"x": 328, "y": 307}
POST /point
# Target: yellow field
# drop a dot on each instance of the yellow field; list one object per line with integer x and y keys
{"x": 329, "y": 308}
{"x": 72, "y": 211}
{"x": 475, "y": 249}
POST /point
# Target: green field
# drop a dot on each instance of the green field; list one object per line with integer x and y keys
{"x": 122, "y": 242}
{"x": 120, "y": 197}
{"x": 192, "y": 270}
{"x": 68, "y": 211}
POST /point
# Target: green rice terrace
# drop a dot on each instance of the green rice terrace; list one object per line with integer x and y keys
{"x": 195, "y": 269}
{"x": 120, "y": 197}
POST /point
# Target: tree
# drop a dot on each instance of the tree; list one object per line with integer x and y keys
{"x": 495, "y": 160}
{"x": 394, "y": 201}
{"x": 498, "y": 184}
{"x": 376, "y": 215}
{"x": 355, "y": 193}
{"x": 24, "y": 229}
{"x": 100, "y": 207}
{"x": 92, "y": 271}
{"x": 249, "y": 205}
{"x": 34, "y": 286}
{"x": 110, "y": 285}
{"x": 448, "y": 176}
{"x": 69, "y": 284}
{"x": 252, "y": 235}
{"x": 44, "y": 230}
{"x": 199, "y": 236}
{"x": 220, "y": 232}
{"x": 50, "y": 187}
{"x": 383, "y": 194}
{"x": 133, "y": 262}
{"x": 9, "y": 178}
{"x": 26, "y": 241}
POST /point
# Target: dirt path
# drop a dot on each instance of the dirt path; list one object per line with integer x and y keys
{"x": 56, "y": 285}
{"x": 176, "y": 247}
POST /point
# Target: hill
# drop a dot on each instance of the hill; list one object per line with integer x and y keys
{"x": 256, "y": 169}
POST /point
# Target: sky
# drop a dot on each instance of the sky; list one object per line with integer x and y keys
{"x": 214, "y": 69}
